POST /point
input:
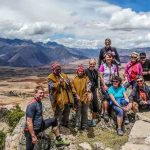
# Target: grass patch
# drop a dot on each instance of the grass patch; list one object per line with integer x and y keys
{"x": 2, "y": 138}
{"x": 108, "y": 138}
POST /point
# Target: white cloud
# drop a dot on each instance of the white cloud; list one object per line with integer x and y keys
{"x": 74, "y": 23}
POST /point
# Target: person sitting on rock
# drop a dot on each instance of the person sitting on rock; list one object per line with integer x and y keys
{"x": 119, "y": 102}
{"x": 82, "y": 86}
{"x": 36, "y": 124}
{"x": 140, "y": 95}
{"x": 106, "y": 71}
{"x": 61, "y": 94}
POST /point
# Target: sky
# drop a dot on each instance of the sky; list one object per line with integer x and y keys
{"x": 78, "y": 23}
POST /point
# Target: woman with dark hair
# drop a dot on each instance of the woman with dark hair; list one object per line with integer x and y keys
{"x": 120, "y": 102}
{"x": 140, "y": 96}
{"x": 106, "y": 72}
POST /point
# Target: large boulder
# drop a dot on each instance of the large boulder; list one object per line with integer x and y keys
{"x": 139, "y": 132}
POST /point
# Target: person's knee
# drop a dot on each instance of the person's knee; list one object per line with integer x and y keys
{"x": 120, "y": 112}
{"x": 55, "y": 122}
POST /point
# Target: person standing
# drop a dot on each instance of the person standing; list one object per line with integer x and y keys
{"x": 61, "y": 94}
{"x": 107, "y": 49}
{"x": 36, "y": 124}
{"x": 82, "y": 86}
{"x": 92, "y": 74}
{"x": 132, "y": 69}
{"x": 146, "y": 66}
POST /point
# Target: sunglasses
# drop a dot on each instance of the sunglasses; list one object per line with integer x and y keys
{"x": 115, "y": 81}
{"x": 139, "y": 81}
{"x": 142, "y": 57}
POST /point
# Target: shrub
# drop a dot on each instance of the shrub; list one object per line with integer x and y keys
{"x": 2, "y": 138}
{"x": 13, "y": 116}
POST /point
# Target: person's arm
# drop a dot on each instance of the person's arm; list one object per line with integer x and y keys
{"x": 114, "y": 100}
{"x": 31, "y": 130}
{"x": 100, "y": 58}
{"x": 140, "y": 69}
{"x": 30, "y": 112}
{"x": 117, "y": 56}
{"x": 132, "y": 95}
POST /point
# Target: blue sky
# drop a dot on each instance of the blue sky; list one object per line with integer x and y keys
{"x": 136, "y": 5}
{"x": 78, "y": 23}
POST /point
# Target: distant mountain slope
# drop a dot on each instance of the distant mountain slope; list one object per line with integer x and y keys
{"x": 26, "y": 53}
{"x": 22, "y": 53}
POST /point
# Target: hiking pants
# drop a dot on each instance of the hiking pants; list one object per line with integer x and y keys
{"x": 82, "y": 115}
{"x": 62, "y": 115}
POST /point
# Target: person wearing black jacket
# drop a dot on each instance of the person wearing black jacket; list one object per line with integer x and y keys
{"x": 140, "y": 95}
{"x": 107, "y": 49}
{"x": 92, "y": 74}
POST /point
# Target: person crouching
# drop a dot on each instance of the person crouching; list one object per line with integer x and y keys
{"x": 82, "y": 85}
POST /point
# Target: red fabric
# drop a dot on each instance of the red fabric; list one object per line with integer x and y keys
{"x": 55, "y": 65}
{"x": 143, "y": 95}
{"x": 80, "y": 68}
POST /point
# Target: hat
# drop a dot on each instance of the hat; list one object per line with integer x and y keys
{"x": 80, "y": 68}
{"x": 55, "y": 65}
{"x": 143, "y": 54}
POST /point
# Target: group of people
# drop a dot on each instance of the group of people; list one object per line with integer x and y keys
{"x": 101, "y": 90}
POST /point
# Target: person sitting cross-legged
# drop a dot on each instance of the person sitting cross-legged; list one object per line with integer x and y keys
{"x": 140, "y": 95}
{"x": 120, "y": 102}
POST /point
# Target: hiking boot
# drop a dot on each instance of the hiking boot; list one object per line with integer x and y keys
{"x": 62, "y": 142}
{"x": 126, "y": 120}
{"x": 106, "y": 117}
{"x": 120, "y": 132}
{"x": 93, "y": 123}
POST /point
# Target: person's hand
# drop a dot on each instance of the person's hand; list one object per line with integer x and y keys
{"x": 78, "y": 97}
{"x": 61, "y": 80}
{"x": 105, "y": 88}
{"x": 34, "y": 139}
{"x": 126, "y": 108}
{"x": 119, "y": 67}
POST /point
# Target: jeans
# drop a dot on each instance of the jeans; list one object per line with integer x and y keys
{"x": 46, "y": 123}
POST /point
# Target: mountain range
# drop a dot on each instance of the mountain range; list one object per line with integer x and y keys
{"x": 26, "y": 53}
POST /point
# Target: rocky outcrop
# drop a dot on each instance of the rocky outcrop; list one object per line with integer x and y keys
{"x": 139, "y": 137}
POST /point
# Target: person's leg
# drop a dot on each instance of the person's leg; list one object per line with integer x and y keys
{"x": 95, "y": 108}
{"x": 120, "y": 114}
{"x": 58, "y": 114}
{"x": 65, "y": 115}
{"x": 84, "y": 116}
{"x": 78, "y": 116}
{"x": 29, "y": 144}
{"x": 54, "y": 123}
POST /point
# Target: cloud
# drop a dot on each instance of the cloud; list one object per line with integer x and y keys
{"x": 74, "y": 23}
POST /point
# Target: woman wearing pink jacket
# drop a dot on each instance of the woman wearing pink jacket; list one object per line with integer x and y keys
{"x": 132, "y": 69}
